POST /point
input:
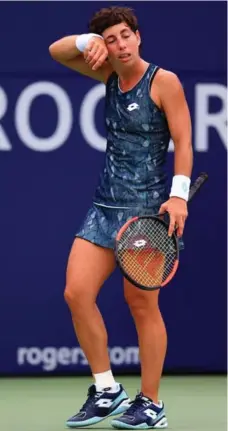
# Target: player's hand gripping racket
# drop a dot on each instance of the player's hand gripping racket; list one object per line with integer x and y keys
{"x": 146, "y": 255}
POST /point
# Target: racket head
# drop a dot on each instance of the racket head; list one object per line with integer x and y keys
{"x": 146, "y": 255}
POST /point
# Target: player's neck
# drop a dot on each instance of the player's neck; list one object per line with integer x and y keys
{"x": 129, "y": 77}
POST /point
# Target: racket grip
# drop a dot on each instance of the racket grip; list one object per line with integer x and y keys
{"x": 196, "y": 186}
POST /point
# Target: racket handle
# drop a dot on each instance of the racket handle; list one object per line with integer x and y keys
{"x": 196, "y": 186}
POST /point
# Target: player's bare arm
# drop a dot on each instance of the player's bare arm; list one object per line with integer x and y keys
{"x": 174, "y": 104}
{"x": 91, "y": 62}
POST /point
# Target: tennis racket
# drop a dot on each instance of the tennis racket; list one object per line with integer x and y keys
{"x": 146, "y": 255}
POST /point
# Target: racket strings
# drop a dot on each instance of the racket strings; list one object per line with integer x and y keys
{"x": 146, "y": 253}
{"x": 149, "y": 276}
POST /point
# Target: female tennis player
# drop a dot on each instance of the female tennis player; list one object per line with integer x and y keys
{"x": 145, "y": 106}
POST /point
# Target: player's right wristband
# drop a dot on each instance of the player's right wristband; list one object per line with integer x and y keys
{"x": 180, "y": 187}
{"x": 82, "y": 40}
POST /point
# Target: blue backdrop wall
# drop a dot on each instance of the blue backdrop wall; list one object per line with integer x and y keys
{"x": 51, "y": 149}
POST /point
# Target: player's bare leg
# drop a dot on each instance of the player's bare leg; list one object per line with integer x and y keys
{"x": 146, "y": 411}
{"x": 88, "y": 267}
{"x": 152, "y": 336}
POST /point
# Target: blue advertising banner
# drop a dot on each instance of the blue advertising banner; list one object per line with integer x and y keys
{"x": 52, "y": 143}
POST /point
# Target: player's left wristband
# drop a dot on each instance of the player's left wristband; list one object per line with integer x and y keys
{"x": 180, "y": 187}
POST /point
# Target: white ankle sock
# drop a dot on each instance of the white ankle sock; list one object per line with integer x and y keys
{"x": 159, "y": 404}
{"x": 105, "y": 380}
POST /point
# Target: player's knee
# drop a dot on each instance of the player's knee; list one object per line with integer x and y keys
{"x": 68, "y": 295}
{"x": 141, "y": 305}
{"x": 75, "y": 297}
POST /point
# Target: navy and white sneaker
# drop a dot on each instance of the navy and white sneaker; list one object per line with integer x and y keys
{"x": 142, "y": 414}
{"x": 99, "y": 405}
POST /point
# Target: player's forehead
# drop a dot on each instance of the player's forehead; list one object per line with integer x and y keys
{"x": 116, "y": 29}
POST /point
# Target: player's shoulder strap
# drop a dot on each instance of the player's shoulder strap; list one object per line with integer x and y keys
{"x": 153, "y": 69}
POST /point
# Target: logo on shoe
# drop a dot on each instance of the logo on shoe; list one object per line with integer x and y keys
{"x": 150, "y": 413}
{"x": 104, "y": 402}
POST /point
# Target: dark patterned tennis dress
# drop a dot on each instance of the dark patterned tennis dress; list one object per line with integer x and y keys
{"x": 133, "y": 181}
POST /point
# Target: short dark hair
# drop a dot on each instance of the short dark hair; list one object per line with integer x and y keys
{"x": 107, "y": 17}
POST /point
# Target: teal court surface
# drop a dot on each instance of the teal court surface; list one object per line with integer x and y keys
{"x": 193, "y": 403}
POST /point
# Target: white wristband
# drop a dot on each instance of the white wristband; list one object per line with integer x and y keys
{"x": 180, "y": 187}
{"x": 82, "y": 40}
